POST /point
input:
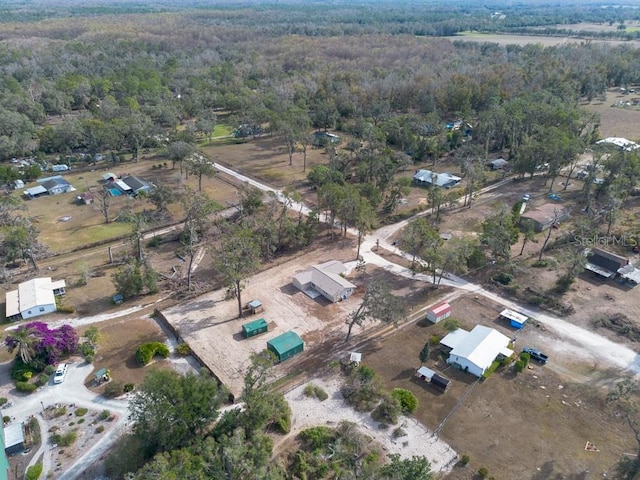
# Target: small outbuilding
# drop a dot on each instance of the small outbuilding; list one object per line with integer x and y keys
{"x": 545, "y": 216}
{"x": 286, "y": 345}
{"x": 431, "y": 377}
{"x": 629, "y": 276}
{"x": 14, "y": 438}
{"x": 255, "y": 306}
{"x": 439, "y": 312}
{"x": 516, "y": 320}
{"x": 440, "y": 382}
{"x": 497, "y": 164}
{"x": 254, "y": 328}
{"x": 605, "y": 264}
{"x": 85, "y": 198}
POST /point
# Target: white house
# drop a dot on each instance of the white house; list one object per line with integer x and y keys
{"x": 34, "y": 297}
{"x": 476, "y": 350}
{"x": 325, "y": 280}
{"x": 428, "y": 178}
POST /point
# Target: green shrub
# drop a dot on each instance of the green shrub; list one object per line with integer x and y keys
{"x": 540, "y": 264}
{"x": 451, "y": 324}
{"x": 312, "y": 390}
{"x": 3, "y": 400}
{"x": 71, "y": 424}
{"x": 435, "y": 339}
{"x": 34, "y": 472}
{"x": 147, "y": 351}
{"x": 399, "y": 432}
{"x": 408, "y": 401}
{"x": 42, "y": 380}
{"x": 114, "y": 389}
{"x": 50, "y": 369}
{"x": 503, "y": 278}
{"x": 26, "y": 387}
{"x": 483, "y": 472}
{"x": 525, "y": 358}
{"x": 104, "y": 415}
{"x": 128, "y": 387}
{"x": 81, "y": 412}
{"x": 321, "y": 394}
{"x": 60, "y": 411}
{"x": 464, "y": 460}
{"x": 89, "y": 358}
{"x": 81, "y": 420}
{"x": 65, "y": 309}
{"x": 154, "y": 242}
{"x": 519, "y": 366}
{"x": 6, "y": 419}
{"x": 21, "y": 372}
{"x": 100, "y": 429}
{"x": 183, "y": 349}
{"x": 67, "y": 439}
{"x": 387, "y": 411}
{"x": 317, "y": 437}
{"x": 506, "y": 361}
{"x": 492, "y": 368}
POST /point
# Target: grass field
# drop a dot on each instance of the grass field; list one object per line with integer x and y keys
{"x": 543, "y": 40}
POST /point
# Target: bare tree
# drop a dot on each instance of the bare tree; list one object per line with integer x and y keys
{"x": 378, "y": 304}
{"x": 103, "y": 203}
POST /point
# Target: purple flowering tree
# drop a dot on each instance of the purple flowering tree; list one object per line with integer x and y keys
{"x": 43, "y": 345}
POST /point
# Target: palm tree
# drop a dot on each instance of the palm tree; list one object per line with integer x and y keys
{"x": 22, "y": 339}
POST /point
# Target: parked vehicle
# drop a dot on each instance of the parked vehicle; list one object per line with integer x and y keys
{"x": 536, "y": 355}
{"x": 61, "y": 373}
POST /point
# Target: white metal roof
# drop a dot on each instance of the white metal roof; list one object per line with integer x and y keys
{"x": 481, "y": 346}
{"x": 438, "y": 179}
{"x": 454, "y": 338}
{"x": 37, "y": 190}
{"x": 13, "y": 305}
{"x": 426, "y": 372}
{"x": 30, "y": 294}
{"x": 326, "y": 276}
{"x": 122, "y": 186}
{"x": 515, "y": 316}
{"x": 619, "y": 142}
{"x": 13, "y": 435}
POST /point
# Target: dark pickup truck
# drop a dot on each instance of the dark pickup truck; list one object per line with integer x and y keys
{"x": 536, "y": 355}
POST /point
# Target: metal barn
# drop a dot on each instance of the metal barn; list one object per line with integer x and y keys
{"x": 286, "y": 345}
{"x": 254, "y": 328}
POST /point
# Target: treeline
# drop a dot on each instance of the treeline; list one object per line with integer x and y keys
{"x": 125, "y": 88}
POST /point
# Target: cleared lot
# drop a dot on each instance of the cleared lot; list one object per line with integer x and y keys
{"x": 210, "y": 326}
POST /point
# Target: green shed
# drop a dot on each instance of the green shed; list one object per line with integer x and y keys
{"x": 254, "y": 328}
{"x": 286, "y": 345}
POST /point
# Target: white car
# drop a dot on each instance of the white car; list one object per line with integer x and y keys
{"x": 61, "y": 373}
{"x": 526, "y": 197}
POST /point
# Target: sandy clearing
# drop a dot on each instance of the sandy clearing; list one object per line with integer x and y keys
{"x": 419, "y": 441}
{"x": 210, "y": 326}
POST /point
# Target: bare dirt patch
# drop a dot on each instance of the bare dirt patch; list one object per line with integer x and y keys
{"x": 87, "y": 426}
{"x": 539, "y": 412}
{"x": 614, "y": 120}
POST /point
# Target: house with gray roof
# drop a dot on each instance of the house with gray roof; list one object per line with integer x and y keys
{"x": 326, "y": 280}
{"x": 427, "y": 178}
{"x": 136, "y": 185}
